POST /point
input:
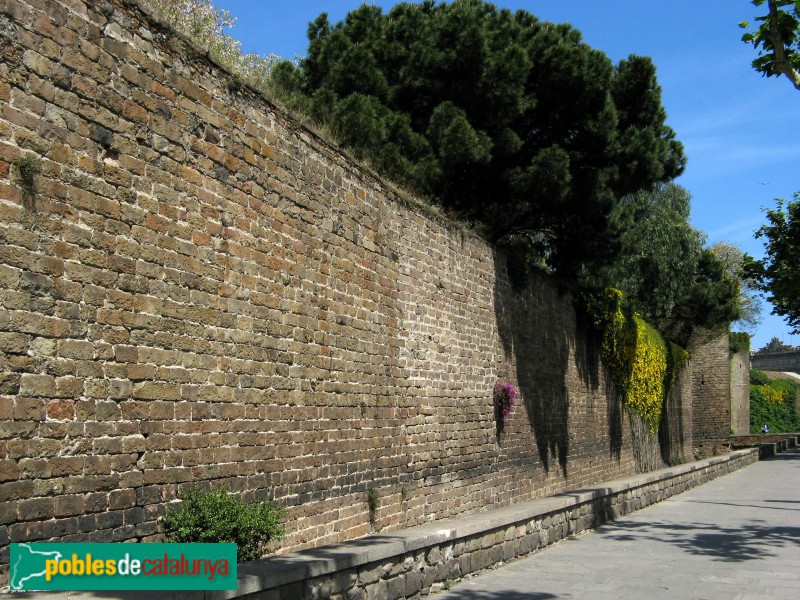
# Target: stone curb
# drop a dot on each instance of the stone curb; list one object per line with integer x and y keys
{"x": 767, "y": 444}
{"x": 281, "y": 570}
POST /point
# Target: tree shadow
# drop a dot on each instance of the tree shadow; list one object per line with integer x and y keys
{"x": 791, "y": 454}
{"x": 536, "y": 343}
{"x": 745, "y": 504}
{"x": 497, "y": 595}
{"x": 587, "y": 361}
{"x": 754, "y": 541}
{"x": 675, "y": 423}
{"x": 542, "y": 337}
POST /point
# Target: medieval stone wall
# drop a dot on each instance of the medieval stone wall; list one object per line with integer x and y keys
{"x": 777, "y": 361}
{"x": 711, "y": 389}
{"x": 740, "y": 393}
{"x": 197, "y": 289}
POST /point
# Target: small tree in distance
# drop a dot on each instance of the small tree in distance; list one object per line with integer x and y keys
{"x": 775, "y": 345}
{"x": 750, "y": 304}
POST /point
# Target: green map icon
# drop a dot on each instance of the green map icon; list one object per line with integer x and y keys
{"x": 28, "y": 565}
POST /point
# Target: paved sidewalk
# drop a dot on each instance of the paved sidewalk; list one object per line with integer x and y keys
{"x": 737, "y": 537}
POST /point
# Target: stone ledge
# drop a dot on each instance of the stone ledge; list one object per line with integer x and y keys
{"x": 417, "y": 560}
{"x": 768, "y": 444}
{"x": 750, "y": 441}
{"x": 284, "y": 569}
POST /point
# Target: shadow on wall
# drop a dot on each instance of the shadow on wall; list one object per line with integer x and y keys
{"x": 672, "y": 428}
{"x": 587, "y": 358}
{"x": 537, "y": 328}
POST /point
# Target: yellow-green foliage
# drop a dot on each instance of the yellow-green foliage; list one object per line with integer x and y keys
{"x": 643, "y": 365}
{"x": 770, "y": 394}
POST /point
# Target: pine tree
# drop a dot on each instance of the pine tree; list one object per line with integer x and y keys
{"x": 510, "y": 121}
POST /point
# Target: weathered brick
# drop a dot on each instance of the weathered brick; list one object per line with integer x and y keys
{"x": 126, "y": 353}
{"x": 29, "y": 409}
{"x": 9, "y": 470}
{"x": 36, "y": 508}
{"x": 37, "y": 385}
{"x": 61, "y": 409}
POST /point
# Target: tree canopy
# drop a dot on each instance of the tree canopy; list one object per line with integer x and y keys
{"x": 776, "y": 345}
{"x": 778, "y": 273}
{"x": 509, "y": 121}
{"x": 777, "y": 40}
{"x": 665, "y": 273}
{"x": 733, "y": 258}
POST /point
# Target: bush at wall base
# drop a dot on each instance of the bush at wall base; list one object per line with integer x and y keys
{"x": 217, "y": 516}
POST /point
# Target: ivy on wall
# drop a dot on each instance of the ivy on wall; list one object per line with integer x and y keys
{"x": 642, "y": 363}
{"x": 773, "y": 403}
{"x": 739, "y": 342}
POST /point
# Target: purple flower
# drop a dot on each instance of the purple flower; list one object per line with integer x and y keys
{"x": 504, "y": 396}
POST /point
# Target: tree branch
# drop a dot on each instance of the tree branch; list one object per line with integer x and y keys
{"x": 782, "y": 64}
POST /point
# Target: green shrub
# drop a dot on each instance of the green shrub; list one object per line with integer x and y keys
{"x": 28, "y": 167}
{"x": 372, "y": 504}
{"x": 758, "y": 377}
{"x": 787, "y": 389}
{"x": 775, "y": 405}
{"x": 216, "y": 516}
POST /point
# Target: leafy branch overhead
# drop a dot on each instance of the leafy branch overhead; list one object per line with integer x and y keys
{"x": 777, "y": 40}
{"x": 509, "y": 121}
{"x": 779, "y": 272}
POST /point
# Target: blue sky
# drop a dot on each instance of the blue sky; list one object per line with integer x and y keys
{"x": 740, "y": 130}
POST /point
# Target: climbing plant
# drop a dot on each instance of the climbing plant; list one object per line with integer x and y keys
{"x": 773, "y": 403}
{"x": 642, "y": 364}
{"x": 738, "y": 341}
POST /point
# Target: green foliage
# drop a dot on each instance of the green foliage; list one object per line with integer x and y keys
{"x": 777, "y": 39}
{"x": 758, "y": 377}
{"x": 769, "y": 394}
{"x": 786, "y": 387}
{"x": 643, "y": 365}
{"x": 778, "y": 273}
{"x": 216, "y": 516}
{"x": 775, "y": 404}
{"x": 659, "y": 252}
{"x": 710, "y": 301}
{"x": 738, "y": 342}
{"x": 509, "y": 121}
{"x": 750, "y": 305}
{"x": 663, "y": 270}
{"x": 777, "y": 345}
{"x": 28, "y": 167}
{"x": 204, "y": 26}
{"x": 372, "y": 504}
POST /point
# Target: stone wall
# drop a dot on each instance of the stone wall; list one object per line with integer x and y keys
{"x": 197, "y": 289}
{"x": 711, "y": 393}
{"x": 777, "y": 361}
{"x": 676, "y": 430}
{"x": 740, "y": 393}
